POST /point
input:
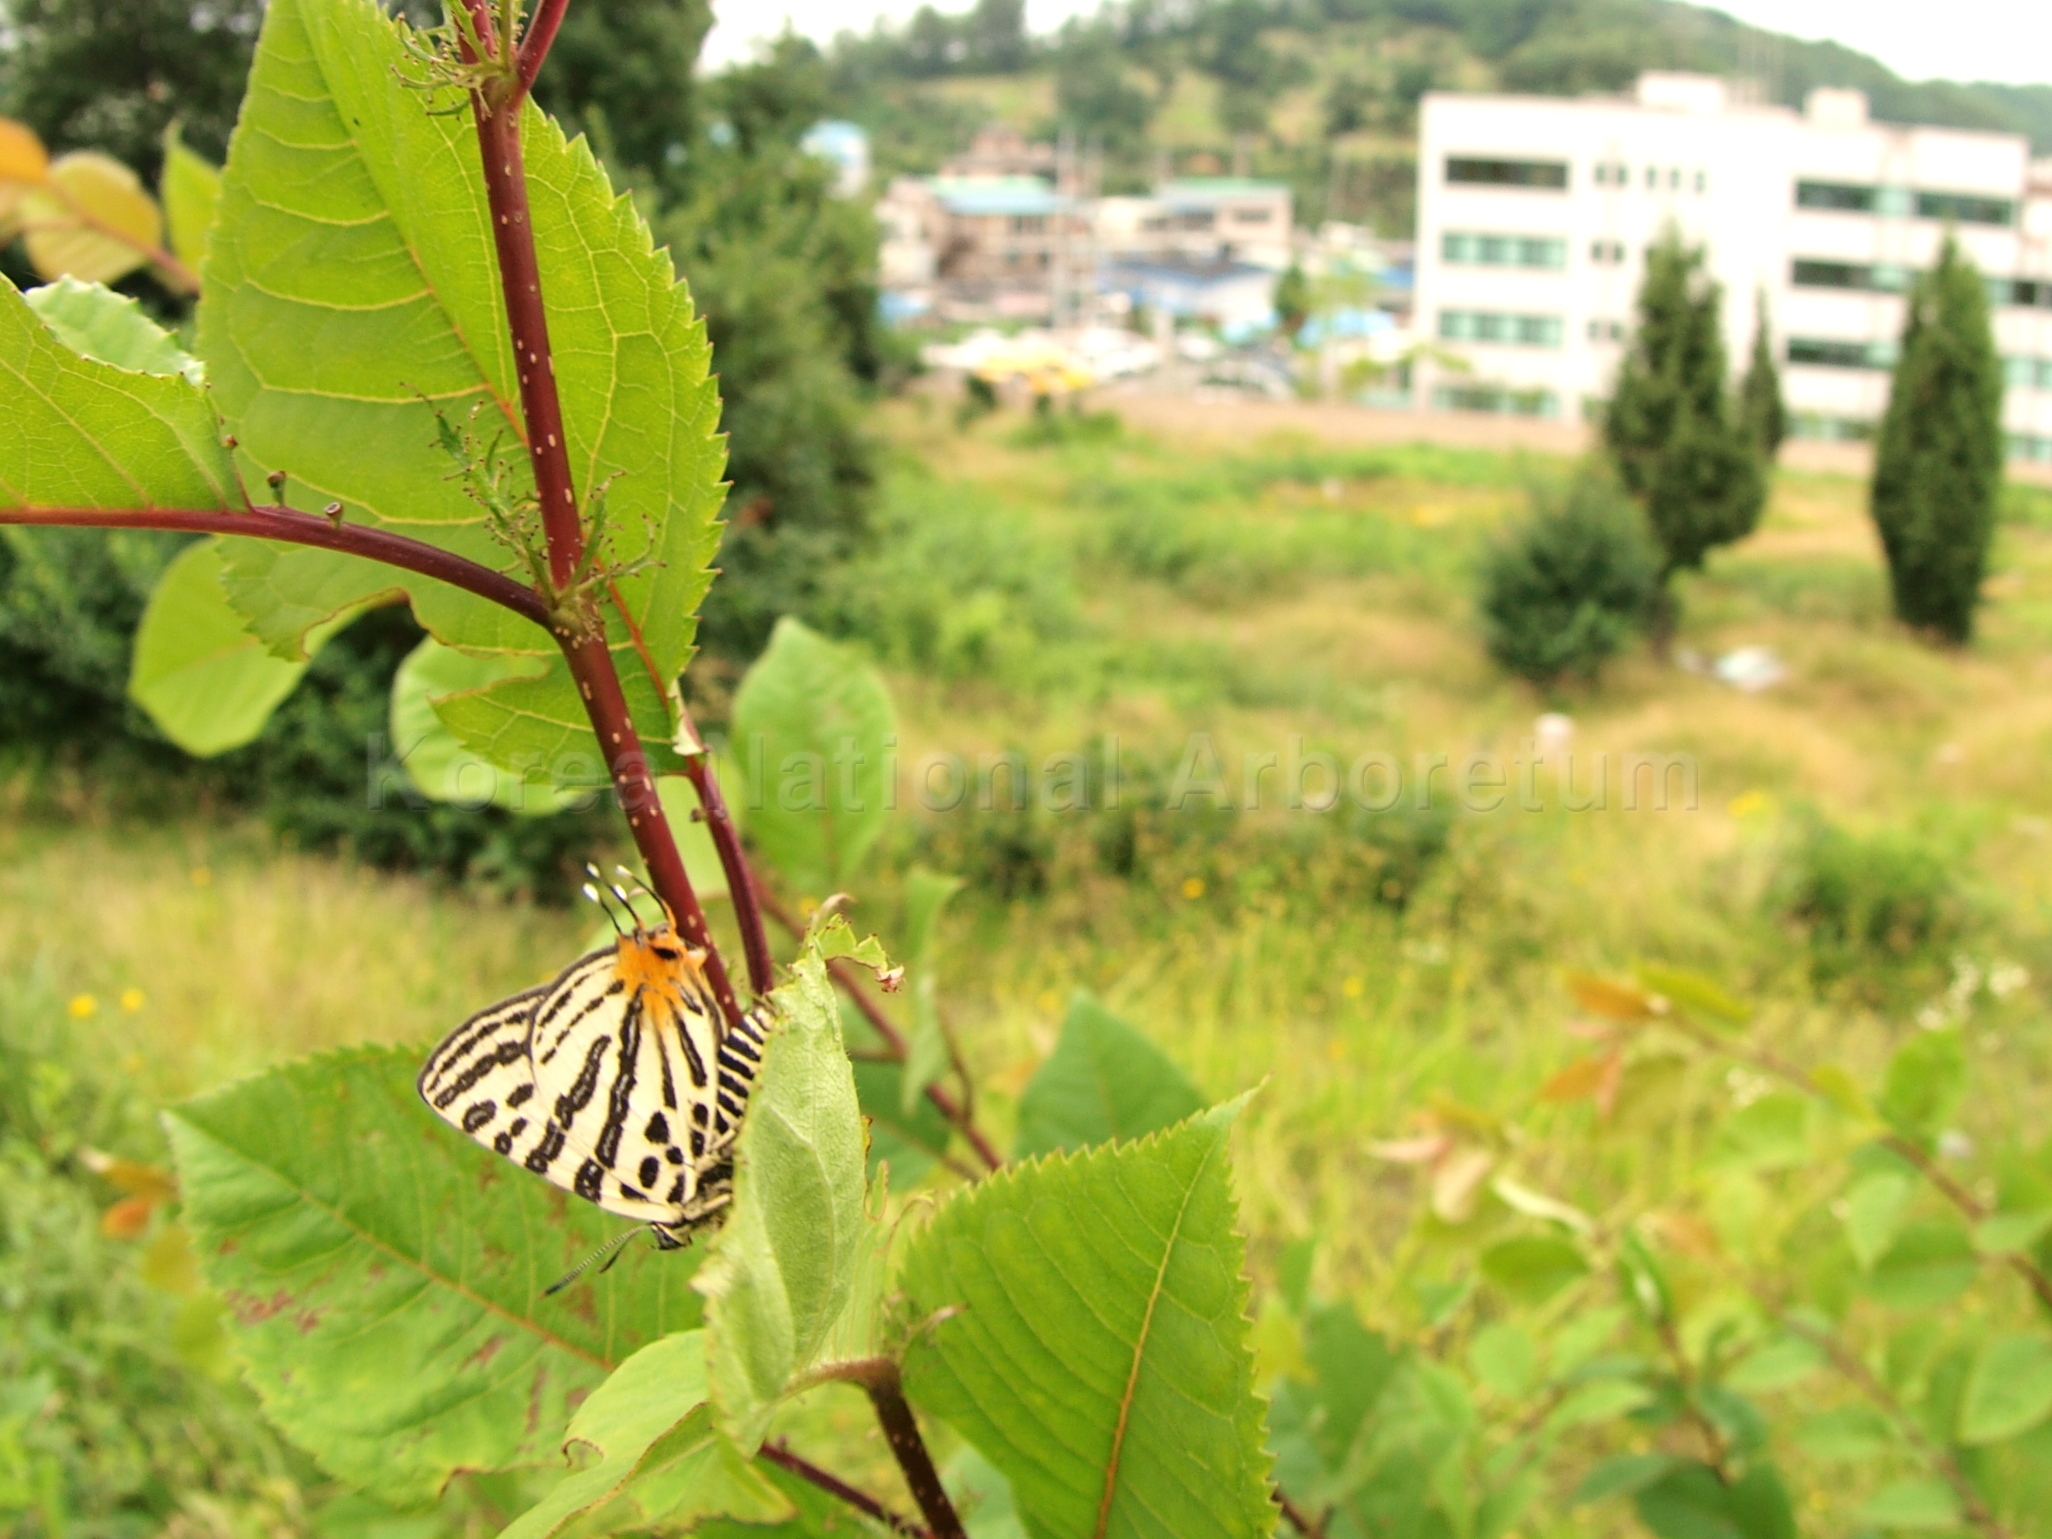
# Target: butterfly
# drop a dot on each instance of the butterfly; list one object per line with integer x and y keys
{"x": 621, "y": 1081}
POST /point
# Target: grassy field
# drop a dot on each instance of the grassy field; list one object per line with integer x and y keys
{"x": 1034, "y": 596}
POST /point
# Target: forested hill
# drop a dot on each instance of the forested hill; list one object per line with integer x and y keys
{"x": 1325, "y": 92}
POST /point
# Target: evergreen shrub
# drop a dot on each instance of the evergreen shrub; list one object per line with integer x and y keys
{"x": 1938, "y": 460}
{"x": 1566, "y": 589}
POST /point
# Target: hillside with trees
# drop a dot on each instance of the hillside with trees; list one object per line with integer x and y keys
{"x": 1324, "y": 93}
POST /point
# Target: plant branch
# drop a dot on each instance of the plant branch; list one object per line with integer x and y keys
{"x": 779, "y": 1454}
{"x": 1310, "y": 1528}
{"x": 901, "y": 1430}
{"x": 894, "y": 1040}
{"x": 1793, "y": 1074}
{"x": 1848, "y": 1363}
{"x": 297, "y": 528}
{"x": 536, "y": 41}
{"x": 577, "y": 623}
{"x": 741, "y": 884}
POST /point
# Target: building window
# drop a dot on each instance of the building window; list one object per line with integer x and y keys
{"x": 1965, "y": 208}
{"x": 2030, "y": 446}
{"x": 1877, "y": 277}
{"x": 1606, "y": 331}
{"x": 1652, "y": 177}
{"x": 1607, "y": 253}
{"x": 1813, "y": 424}
{"x": 1831, "y": 353}
{"x": 1500, "y": 399}
{"x": 1548, "y": 174}
{"x": 1503, "y": 250}
{"x": 1702, "y": 181}
{"x": 1842, "y": 197}
{"x": 1251, "y": 215}
{"x": 1674, "y": 179}
{"x": 1489, "y": 326}
{"x": 1612, "y": 173}
{"x": 2027, "y": 373}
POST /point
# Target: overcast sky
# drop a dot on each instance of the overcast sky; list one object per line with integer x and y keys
{"x": 1952, "y": 39}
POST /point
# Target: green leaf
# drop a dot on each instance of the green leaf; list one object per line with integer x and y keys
{"x": 385, "y": 1275}
{"x": 983, "y": 1497}
{"x": 86, "y": 434}
{"x": 1103, "y": 1081}
{"x": 926, "y": 894}
{"x": 1759, "y": 1501}
{"x": 1094, "y": 1340}
{"x": 1926, "y": 1079}
{"x": 784, "y": 1269}
{"x": 1645, "y": 1279}
{"x": 1353, "y": 1367}
{"x": 1579, "y": 1338}
{"x": 1851, "y": 1434}
{"x": 2009, "y": 1390}
{"x": 191, "y": 190}
{"x": 1696, "y": 994}
{"x": 1621, "y": 1475}
{"x": 1604, "y": 1400}
{"x": 1912, "y": 1504}
{"x": 1932, "y": 1263}
{"x": 95, "y": 322}
{"x": 1533, "y": 1268}
{"x": 1502, "y": 1507}
{"x": 909, "y": 1142}
{"x": 1504, "y": 1358}
{"x": 651, "y": 1453}
{"x": 1772, "y": 1133}
{"x": 813, "y": 725}
{"x": 1690, "y": 1502}
{"x": 1786, "y": 1360}
{"x": 1876, "y": 1208}
{"x": 437, "y": 762}
{"x": 927, "y": 1054}
{"x": 351, "y": 302}
{"x": 2008, "y": 1234}
{"x": 204, "y": 680}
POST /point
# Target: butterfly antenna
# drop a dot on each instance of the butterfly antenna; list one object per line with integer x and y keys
{"x": 608, "y": 1252}
{"x": 626, "y": 899}
{"x": 668, "y": 913}
{"x": 592, "y": 892}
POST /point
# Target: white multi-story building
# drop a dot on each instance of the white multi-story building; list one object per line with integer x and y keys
{"x": 1535, "y": 215}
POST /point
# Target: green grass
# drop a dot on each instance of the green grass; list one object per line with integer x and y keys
{"x": 1038, "y": 598}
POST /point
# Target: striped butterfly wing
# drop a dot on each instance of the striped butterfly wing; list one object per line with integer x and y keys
{"x": 482, "y": 1081}
{"x": 618, "y": 1082}
{"x": 626, "y": 1062}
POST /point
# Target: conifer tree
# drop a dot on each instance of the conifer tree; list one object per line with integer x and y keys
{"x": 1680, "y": 444}
{"x": 1760, "y": 392}
{"x": 1938, "y": 462}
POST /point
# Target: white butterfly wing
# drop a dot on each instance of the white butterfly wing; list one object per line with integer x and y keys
{"x": 482, "y": 1081}
{"x": 623, "y": 1076}
{"x": 610, "y": 1091}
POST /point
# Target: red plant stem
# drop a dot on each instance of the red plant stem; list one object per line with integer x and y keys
{"x": 741, "y": 886}
{"x": 597, "y": 680}
{"x": 851, "y": 985}
{"x": 580, "y": 630}
{"x": 538, "y": 39}
{"x": 296, "y": 528}
{"x": 901, "y": 1431}
{"x": 505, "y": 174}
{"x": 834, "y": 1486}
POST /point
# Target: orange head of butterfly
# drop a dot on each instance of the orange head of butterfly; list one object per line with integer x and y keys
{"x": 658, "y": 962}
